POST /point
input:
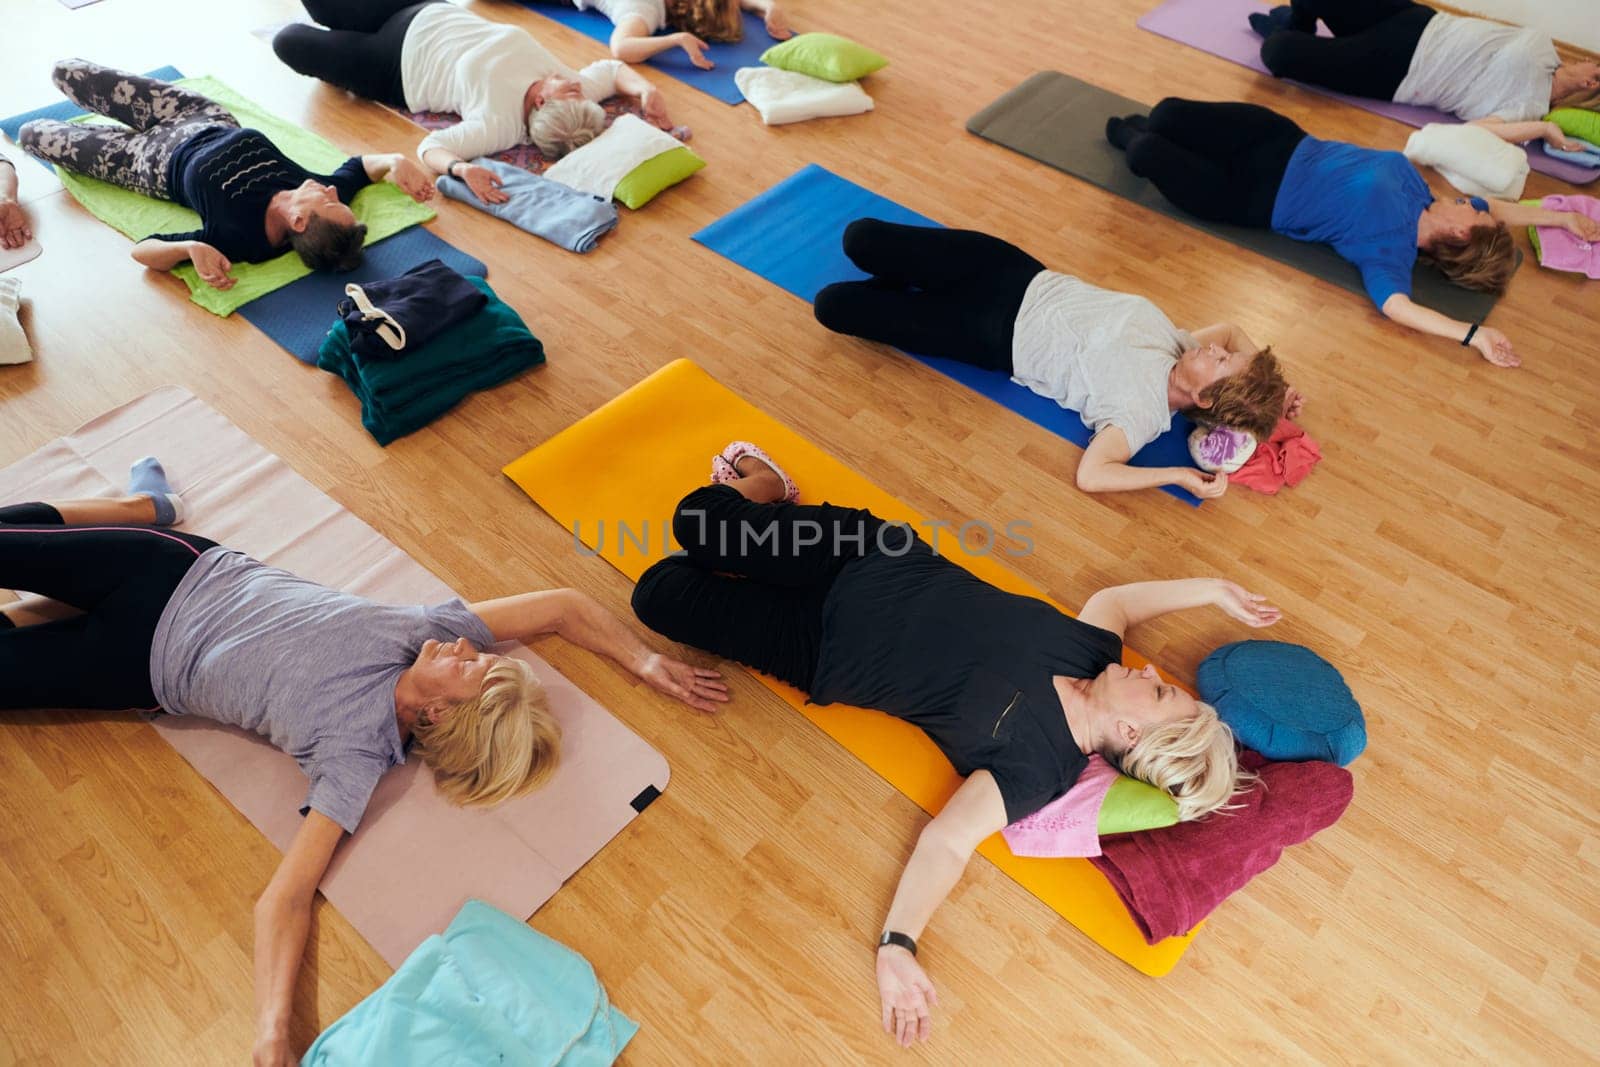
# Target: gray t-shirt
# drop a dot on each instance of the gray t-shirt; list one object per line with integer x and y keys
{"x": 1101, "y": 353}
{"x": 310, "y": 668}
{"x": 1477, "y": 69}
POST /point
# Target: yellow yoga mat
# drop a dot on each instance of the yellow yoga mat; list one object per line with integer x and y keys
{"x": 613, "y": 479}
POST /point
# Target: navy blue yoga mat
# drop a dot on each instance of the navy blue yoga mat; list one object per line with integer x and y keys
{"x": 717, "y": 82}
{"x": 791, "y": 235}
{"x": 65, "y": 110}
{"x": 298, "y": 315}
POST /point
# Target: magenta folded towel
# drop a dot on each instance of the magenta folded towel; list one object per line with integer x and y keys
{"x": 1170, "y": 879}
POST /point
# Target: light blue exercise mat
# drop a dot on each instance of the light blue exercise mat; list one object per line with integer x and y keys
{"x": 792, "y": 236}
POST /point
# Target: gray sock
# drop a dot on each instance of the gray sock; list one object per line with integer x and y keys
{"x": 147, "y": 478}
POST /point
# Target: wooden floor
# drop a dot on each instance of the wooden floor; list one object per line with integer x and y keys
{"x": 1444, "y": 556}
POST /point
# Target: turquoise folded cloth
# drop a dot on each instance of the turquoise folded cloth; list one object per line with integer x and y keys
{"x": 402, "y": 396}
{"x": 491, "y": 990}
{"x": 1587, "y": 155}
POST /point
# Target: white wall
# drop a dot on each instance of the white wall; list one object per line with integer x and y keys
{"x": 1573, "y": 21}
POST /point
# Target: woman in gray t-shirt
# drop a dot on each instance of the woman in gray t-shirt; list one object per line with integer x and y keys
{"x": 1112, "y": 357}
{"x": 174, "y": 621}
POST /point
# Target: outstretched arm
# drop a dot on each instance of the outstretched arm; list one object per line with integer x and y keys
{"x": 1122, "y": 607}
{"x": 1104, "y": 468}
{"x": 576, "y": 617}
{"x": 160, "y": 254}
{"x": 1576, "y": 223}
{"x": 1491, "y": 344}
{"x": 631, "y": 83}
{"x": 283, "y": 917}
{"x": 975, "y": 811}
{"x": 399, "y": 169}
{"x": 632, "y": 42}
{"x": 1522, "y": 132}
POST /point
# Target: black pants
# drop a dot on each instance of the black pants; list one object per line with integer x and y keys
{"x": 1222, "y": 162}
{"x": 120, "y": 577}
{"x": 360, "y": 49}
{"x": 1368, "y": 55}
{"x": 934, "y": 292}
{"x": 753, "y": 579}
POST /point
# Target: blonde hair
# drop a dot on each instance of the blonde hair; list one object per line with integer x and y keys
{"x": 1484, "y": 260}
{"x": 1194, "y": 760}
{"x": 563, "y": 125}
{"x": 1586, "y": 99}
{"x": 709, "y": 20}
{"x": 500, "y": 744}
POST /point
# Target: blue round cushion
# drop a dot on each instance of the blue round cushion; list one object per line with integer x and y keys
{"x": 1284, "y": 701}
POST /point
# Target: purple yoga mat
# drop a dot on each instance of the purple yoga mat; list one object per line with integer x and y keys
{"x": 1222, "y": 28}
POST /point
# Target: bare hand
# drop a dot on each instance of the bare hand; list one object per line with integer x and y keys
{"x": 1495, "y": 347}
{"x": 211, "y": 265}
{"x": 1294, "y": 402}
{"x": 484, "y": 183}
{"x": 14, "y": 229}
{"x": 1556, "y": 137}
{"x": 1581, "y": 226}
{"x": 1203, "y": 484}
{"x": 695, "y": 49}
{"x": 699, "y": 687}
{"x": 778, "y": 24}
{"x": 272, "y": 1052}
{"x": 1249, "y": 608}
{"x": 412, "y": 180}
{"x": 655, "y": 109}
{"x": 908, "y": 996}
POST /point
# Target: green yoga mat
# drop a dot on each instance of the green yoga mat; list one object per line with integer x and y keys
{"x": 1061, "y": 121}
{"x": 383, "y": 207}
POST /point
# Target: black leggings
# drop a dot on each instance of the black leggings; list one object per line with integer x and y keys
{"x": 120, "y": 577}
{"x": 752, "y": 581}
{"x": 934, "y": 292}
{"x": 1368, "y": 55}
{"x": 359, "y": 51}
{"x": 1222, "y": 162}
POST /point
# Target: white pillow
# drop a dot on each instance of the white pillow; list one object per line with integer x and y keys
{"x": 1471, "y": 158}
{"x": 788, "y": 96}
{"x": 14, "y": 347}
{"x": 598, "y": 166}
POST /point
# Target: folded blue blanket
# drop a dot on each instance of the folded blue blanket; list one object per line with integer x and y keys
{"x": 561, "y": 215}
{"x": 1587, "y": 156}
{"x": 490, "y": 990}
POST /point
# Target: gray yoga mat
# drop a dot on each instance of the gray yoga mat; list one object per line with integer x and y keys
{"x": 1061, "y": 121}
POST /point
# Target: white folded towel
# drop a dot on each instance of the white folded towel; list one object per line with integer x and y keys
{"x": 783, "y": 96}
{"x": 14, "y": 347}
{"x": 1471, "y": 158}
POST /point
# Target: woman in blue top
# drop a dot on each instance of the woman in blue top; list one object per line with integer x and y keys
{"x": 1246, "y": 165}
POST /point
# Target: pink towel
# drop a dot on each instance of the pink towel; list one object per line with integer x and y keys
{"x": 1170, "y": 879}
{"x": 1562, "y": 250}
{"x": 1283, "y": 459}
{"x": 1070, "y": 824}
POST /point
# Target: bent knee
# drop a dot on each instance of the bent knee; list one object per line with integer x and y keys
{"x": 831, "y": 306}
{"x": 1277, "y": 52}
{"x": 652, "y": 594}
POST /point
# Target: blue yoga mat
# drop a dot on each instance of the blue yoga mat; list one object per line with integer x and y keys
{"x": 66, "y": 110}
{"x": 717, "y": 82}
{"x": 298, "y": 315}
{"x": 792, "y": 236}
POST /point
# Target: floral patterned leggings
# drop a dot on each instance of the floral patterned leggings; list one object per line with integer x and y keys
{"x": 158, "y": 118}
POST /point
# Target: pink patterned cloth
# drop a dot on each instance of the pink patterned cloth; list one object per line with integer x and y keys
{"x": 1283, "y": 459}
{"x": 1070, "y": 824}
{"x": 1562, "y": 250}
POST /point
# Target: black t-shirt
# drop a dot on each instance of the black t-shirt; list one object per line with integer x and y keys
{"x": 924, "y": 640}
{"x": 230, "y": 176}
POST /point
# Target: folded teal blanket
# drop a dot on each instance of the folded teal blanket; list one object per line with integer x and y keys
{"x": 490, "y": 990}
{"x": 402, "y": 396}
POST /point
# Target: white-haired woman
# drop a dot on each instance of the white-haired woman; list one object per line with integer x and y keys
{"x": 434, "y": 56}
{"x": 854, "y": 610}
{"x": 173, "y": 621}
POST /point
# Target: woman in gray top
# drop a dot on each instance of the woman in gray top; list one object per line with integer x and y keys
{"x": 174, "y": 621}
{"x": 1112, "y": 357}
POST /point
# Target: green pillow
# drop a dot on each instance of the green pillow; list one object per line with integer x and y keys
{"x": 824, "y": 55}
{"x": 1576, "y": 122}
{"x": 655, "y": 174}
{"x": 1134, "y": 805}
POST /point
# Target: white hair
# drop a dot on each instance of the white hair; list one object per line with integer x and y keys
{"x": 563, "y": 125}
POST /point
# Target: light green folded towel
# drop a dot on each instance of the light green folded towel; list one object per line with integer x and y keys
{"x": 384, "y": 208}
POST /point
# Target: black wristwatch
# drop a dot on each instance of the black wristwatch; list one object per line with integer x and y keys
{"x": 1466, "y": 342}
{"x": 893, "y": 937}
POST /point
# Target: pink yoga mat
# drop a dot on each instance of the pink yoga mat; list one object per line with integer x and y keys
{"x": 1222, "y": 28}
{"x": 415, "y": 859}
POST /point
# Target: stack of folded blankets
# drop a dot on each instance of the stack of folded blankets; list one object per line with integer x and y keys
{"x": 812, "y": 76}
{"x": 412, "y": 347}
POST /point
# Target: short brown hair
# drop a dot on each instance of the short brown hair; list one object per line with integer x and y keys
{"x": 1483, "y": 260}
{"x": 709, "y": 20}
{"x": 325, "y": 245}
{"x": 1250, "y": 400}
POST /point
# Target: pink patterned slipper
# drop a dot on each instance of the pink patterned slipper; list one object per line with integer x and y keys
{"x": 739, "y": 450}
{"x": 722, "y": 472}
